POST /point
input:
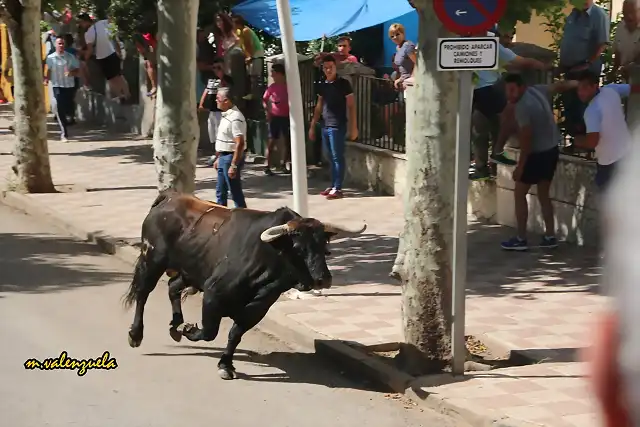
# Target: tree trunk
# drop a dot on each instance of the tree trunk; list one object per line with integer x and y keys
{"x": 175, "y": 139}
{"x": 428, "y": 238}
{"x": 31, "y": 168}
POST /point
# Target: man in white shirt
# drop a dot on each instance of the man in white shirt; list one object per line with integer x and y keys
{"x": 606, "y": 127}
{"x": 626, "y": 43}
{"x": 62, "y": 68}
{"x": 230, "y": 148}
{"x": 107, "y": 53}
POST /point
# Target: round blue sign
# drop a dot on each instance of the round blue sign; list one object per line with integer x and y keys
{"x": 469, "y": 16}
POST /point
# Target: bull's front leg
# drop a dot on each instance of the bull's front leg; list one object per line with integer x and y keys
{"x": 210, "y": 321}
{"x": 252, "y": 314}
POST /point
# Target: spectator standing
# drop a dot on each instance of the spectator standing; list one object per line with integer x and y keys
{"x": 276, "y": 103}
{"x": 61, "y": 69}
{"x": 344, "y": 49}
{"x": 626, "y": 44}
{"x": 336, "y": 104}
{"x": 251, "y": 45}
{"x": 584, "y": 39}
{"x": 226, "y": 38}
{"x": 405, "y": 57}
{"x": 539, "y": 138}
{"x": 69, "y": 47}
{"x": 146, "y": 45}
{"x": 108, "y": 54}
{"x": 205, "y": 55}
{"x": 606, "y": 128}
{"x": 230, "y": 149}
{"x": 208, "y": 100}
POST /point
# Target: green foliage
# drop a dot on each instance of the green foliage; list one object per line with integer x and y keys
{"x": 523, "y": 10}
{"x": 554, "y": 24}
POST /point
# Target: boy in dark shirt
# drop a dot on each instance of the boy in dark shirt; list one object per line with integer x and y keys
{"x": 336, "y": 104}
{"x": 208, "y": 100}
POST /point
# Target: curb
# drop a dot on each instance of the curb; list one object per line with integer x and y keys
{"x": 351, "y": 356}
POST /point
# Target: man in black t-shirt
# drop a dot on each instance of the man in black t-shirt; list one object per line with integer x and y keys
{"x": 337, "y": 106}
{"x": 208, "y": 100}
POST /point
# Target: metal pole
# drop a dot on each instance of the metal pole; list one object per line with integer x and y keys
{"x": 459, "y": 259}
{"x": 298, "y": 141}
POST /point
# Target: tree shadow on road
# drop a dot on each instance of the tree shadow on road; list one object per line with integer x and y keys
{"x": 295, "y": 367}
{"x": 39, "y": 263}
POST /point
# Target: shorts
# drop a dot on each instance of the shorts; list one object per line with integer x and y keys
{"x": 604, "y": 175}
{"x": 279, "y": 126}
{"x": 489, "y": 100}
{"x": 540, "y": 166}
{"x": 110, "y": 66}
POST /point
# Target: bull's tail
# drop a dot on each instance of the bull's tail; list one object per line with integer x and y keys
{"x": 136, "y": 283}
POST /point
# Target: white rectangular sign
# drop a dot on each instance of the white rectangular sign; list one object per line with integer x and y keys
{"x": 465, "y": 53}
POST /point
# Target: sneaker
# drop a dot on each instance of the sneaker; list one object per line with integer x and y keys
{"x": 515, "y": 244}
{"x": 326, "y": 191}
{"x": 478, "y": 175}
{"x": 335, "y": 194}
{"x": 64, "y": 139}
{"x": 502, "y": 159}
{"x": 549, "y": 242}
{"x": 268, "y": 171}
{"x": 211, "y": 161}
{"x": 283, "y": 170}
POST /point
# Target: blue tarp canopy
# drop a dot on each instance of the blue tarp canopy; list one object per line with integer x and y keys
{"x": 314, "y": 18}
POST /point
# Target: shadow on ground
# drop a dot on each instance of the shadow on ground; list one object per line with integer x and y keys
{"x": 294, "y": 367}
{"x": 524, "y": 275}
{"x": 36, "y": 263}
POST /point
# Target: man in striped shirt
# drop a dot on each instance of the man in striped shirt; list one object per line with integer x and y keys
{"x": 62, "y": 68}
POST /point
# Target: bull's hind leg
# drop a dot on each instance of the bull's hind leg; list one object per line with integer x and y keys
{"x": 148, "y": 270}
{"x": 210, "y": 321}
{"x": 250, "y": 316}
{"x": 176, "y": 286}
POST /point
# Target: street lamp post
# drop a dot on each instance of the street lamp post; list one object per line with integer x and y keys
{"x": 298, "y": 141}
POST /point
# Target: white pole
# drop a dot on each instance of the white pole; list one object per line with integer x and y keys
{"x": 459, "y": 259}
{"x": 298, "y": 141}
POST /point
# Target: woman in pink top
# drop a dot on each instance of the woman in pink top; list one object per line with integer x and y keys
{"x": 225, "y": 38}
{"x": 276, "y": 105}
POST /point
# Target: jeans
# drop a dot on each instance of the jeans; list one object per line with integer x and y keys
{"x": 334, "y": 141}
{"x": 225, "y": 184}
{"x": 64, "y": 104}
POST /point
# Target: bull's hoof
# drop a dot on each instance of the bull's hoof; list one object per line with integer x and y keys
{"x": 191, "y": 290}
{"x": 226, "y": 373}
{"x": 175, "y": 334}
{"x": 186, "y": 328}
{"x": 134, "y": 343}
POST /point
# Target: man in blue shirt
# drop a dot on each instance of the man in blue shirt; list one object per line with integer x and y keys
{"x": 585, "y": 37}
{"x": 62, "y": 67}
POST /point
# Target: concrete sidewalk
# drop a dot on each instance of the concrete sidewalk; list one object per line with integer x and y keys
{"x": 539, "y": 303}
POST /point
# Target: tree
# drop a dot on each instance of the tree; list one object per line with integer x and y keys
{"x": 431, "y": 141}
{"x": 175, "y": 140}
{"x": 31, "y": 168}
{"x": 428, "y": 233}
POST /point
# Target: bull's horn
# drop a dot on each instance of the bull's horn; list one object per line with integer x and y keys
{"x": 272, "y": 233}
{"x": 341, "y": 231}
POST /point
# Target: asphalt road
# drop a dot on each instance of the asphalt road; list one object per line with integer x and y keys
{"x": 58, "y": 294}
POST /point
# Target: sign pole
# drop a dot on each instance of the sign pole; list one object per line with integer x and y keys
{"x": 298, "y": 141}
{"x": 459, "y": 258}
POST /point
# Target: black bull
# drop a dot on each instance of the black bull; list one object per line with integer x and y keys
{"x": 241, "y": 259}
